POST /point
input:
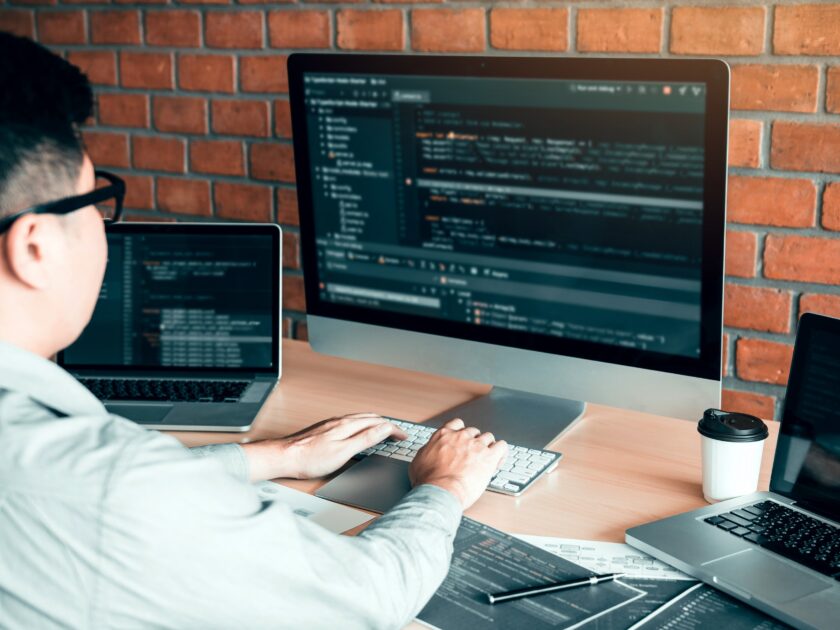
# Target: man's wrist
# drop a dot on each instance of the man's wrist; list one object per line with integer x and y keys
{"x": 269, "y": 459}
{"x": 452, "y": 486}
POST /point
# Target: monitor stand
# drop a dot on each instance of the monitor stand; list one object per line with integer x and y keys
{"x": 520, "y": 418}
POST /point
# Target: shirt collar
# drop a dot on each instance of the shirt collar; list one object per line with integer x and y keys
{"x": 42, "y": 380}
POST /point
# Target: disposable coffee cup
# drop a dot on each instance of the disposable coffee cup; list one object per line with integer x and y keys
{"x": 732, "y": 445}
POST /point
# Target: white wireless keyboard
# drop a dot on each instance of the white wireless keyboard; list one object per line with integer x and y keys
{"x": 522, "y": 467}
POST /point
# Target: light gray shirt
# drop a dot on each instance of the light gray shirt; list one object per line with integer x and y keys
{"x": 106, "y": 525}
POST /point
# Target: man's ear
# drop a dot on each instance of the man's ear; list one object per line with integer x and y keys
{"x": 26, "y": 250}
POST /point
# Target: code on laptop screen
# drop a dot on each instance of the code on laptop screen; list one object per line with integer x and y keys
{"x": 175, "y": 300}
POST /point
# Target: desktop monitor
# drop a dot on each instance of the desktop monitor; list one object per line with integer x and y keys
{"x": 553, "y": 227}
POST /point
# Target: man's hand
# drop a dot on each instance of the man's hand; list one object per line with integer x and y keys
{"x": 319, "y": 449}
{"x": 460, "y": 460}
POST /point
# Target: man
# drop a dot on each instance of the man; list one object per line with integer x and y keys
{"x": 104, "y": 524}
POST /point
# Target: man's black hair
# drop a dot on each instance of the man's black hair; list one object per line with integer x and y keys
{"x": 43, "y": 101}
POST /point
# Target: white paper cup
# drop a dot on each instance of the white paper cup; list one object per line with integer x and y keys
{"x": 732, "y": 446}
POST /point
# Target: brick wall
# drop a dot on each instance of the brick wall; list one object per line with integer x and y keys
{"x": 193, "y": 111}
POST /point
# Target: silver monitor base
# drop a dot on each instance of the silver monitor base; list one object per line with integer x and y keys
{"x": 520, "y": 418}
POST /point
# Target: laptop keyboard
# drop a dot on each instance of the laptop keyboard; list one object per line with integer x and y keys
{"x": 154, "y": 390}
{"x": 522, "y": 467}
{"x": 789, "y": 533}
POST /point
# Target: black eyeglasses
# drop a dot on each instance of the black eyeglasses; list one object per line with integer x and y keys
{"x": 114, "y": 190}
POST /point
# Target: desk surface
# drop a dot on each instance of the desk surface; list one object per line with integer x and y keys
{"x": 619, "y": 468}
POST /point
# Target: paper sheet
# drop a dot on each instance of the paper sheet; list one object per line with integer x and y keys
{"x": 606, "y": 557}
{"x": 332, "y": 516}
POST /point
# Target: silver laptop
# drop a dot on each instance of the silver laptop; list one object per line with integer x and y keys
{"x": 779, "y": 550}
{"x": 186, "y": 331}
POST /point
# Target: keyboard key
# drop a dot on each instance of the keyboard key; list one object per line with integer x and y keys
{"x": 726, "y": 525}
{"x": 739, "y": 531}
{"x": 753, "y": 537}
{"x": 511, "y": 487}
{"x": 737, "y": 520}
{"x": 752, "y": 509}
{"x": 714, "y": 520}
{"x": 744, "y": 514}
{"x": 403, "y": 458}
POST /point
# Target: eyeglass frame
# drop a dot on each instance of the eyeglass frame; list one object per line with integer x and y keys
{"x": 115, "y": 189}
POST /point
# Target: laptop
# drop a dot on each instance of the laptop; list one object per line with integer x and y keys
{"x": 779, "y": 550}
{"x": 186, "y": 330}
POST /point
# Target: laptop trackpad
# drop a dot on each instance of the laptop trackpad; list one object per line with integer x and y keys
{"x": 144, "y": 414}
{"x": 376, "y": 483}
{"x": 764, "y": 577}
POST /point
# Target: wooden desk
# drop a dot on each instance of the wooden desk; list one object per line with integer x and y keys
{"x": 620, "y": 468}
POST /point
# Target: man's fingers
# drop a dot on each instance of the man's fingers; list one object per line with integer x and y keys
{"x": 456, "y": 424}
{"x": 486, "y": 438}
{"x": 373, "y": 435}
{"x": 349, "y": 427}
{"x": 500, "y": 448}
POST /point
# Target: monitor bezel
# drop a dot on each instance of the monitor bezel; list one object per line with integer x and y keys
{"x": 237, "y": 229}
{"x": 712, "y": 72}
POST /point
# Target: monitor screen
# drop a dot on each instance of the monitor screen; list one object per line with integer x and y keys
{"x": 807, "y": 464}
{"x": 180, "y": 300}
{"x": 562, "y": 215}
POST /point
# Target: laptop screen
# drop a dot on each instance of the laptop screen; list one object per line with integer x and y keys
{"x": 807, "y": 464}
{"x": 183, "y": 297}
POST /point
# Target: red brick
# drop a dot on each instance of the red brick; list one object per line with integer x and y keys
{"x": 529, "y": 29}
{"x": 294, "y": 297}
{"x": 34, "y": 2}
{"x": 370, "y": 30}
{"x": 206, "y": 73}
{"x": 138, "y": 192}
{"x": 453, "y": 30}
{"x": 183, "y": 196}
{"x": 240, "y": 118}
{"x": 741, "y": 248}
{"x": 272, "y": 161}
{"x": 282, "y": 119}
{"x": 107, "y": 149}
{"x": 751, "y": 403}
{"x": 820, "y": 303}
{"x": 146, "y": 70}
{"x": 302, "y": 329}
{"x": 114, "y": 27}
{"x": 802, "y": 259}
{"x": 287, "y": 207}
{"x": 772, "y": 201}
{"x": 757, "y": 308}
{"x": 717, "y": 30}
{"x": 291, "y": 250}
{"x": 832, "y": 90}
{"x": 213, "y": 1}
{"x": 173, "y": 28}
{"x": 239, "y": 29}
{"x": 299, "y": 29}
{"x": 805, "y": 147}
{"x": 810, "y": 29}
{"x": 242, "y": 201}
{"x": 831, "y": 207}
{"x": 180, "y": 114}
{"x": 17, "y": 22}
{"x": 745, "y": 143}
{"x": 99, "y": 66}
{"x": 781, "y": 88}
{"x": 619, "y": 30}
{"x": 158, "y": 154}
{"x": 763, "y": 361}
{"x": 217, "y": 157}
{"x": 129, "y": 1}
{"x": 263, "y": 74}
{"x": 123, "y": 110}
{"x": 61, "y": 27}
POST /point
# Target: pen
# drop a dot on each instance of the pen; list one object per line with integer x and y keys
{"x": 550, "y": 588}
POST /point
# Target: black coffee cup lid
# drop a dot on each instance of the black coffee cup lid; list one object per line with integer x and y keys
{"x": 731, "y": 427}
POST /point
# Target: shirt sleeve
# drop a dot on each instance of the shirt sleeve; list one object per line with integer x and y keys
{"x": 190, "y": 545}
{"x": 231, "y": 456}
